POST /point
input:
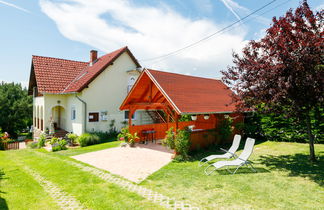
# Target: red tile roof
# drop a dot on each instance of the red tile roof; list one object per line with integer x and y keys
{"x": 190, "y": 95}
{"x": 54, "y": 75}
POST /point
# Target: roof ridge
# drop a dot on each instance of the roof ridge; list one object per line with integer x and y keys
{"x": 183, "y": 74}
{"x": 59, "y": 58}
{"x": 84, "y": 71}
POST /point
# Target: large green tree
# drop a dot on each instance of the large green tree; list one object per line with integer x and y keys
{"x": 284, "y": 70}
{"x": 15, "y": 108}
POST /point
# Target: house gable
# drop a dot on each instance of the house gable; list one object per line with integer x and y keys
{"x": 60, "y": 76}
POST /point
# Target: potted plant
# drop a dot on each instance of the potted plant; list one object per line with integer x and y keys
{"x": 123, "y": 135}
{"x": 132, "y": 139}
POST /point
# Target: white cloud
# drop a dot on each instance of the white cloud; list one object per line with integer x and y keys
{"x": 148, "y": 31}
{"x": 14, "y": 6}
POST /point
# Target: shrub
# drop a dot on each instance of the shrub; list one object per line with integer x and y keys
{"x": 58, "y": 144}
{"x": 71, "y": 137}
{"x": 225, "y": 128}
{"x": 112, "y": 129}
{"x": 62, "y": 143}
{"x": 32, "y": 144}
{"x": 41, "y": 141}
{"x": 169, "y": 138}
{"x": 182, "y": 144}
{"x": 88, "y": 139}
{"x": 53, "y": 140}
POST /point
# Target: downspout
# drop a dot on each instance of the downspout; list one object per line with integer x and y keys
{"x": 85, "y": 112}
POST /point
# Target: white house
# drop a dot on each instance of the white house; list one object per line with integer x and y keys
{"x": 83, "y": 97}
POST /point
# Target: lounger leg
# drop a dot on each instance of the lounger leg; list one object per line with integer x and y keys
{"x": 201, "y": 162}
{"x": 208, "y": 173}
{"x": 252, "y": 168}
{"x": 237, "y": 168}
{"x": 229, "y": 170}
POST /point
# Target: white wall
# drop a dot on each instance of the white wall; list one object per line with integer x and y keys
{"x": 107, "y": 92}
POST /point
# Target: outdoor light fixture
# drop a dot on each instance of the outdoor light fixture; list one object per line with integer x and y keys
{"x": 194, "y": 117}
{"x": 206, "y": 116}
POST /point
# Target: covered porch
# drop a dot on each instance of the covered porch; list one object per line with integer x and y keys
{"x": 170, "y": 97}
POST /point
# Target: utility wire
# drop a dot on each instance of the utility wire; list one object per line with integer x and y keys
{"x": 162, "y": 57}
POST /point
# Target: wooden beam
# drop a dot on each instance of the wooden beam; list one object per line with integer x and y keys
{"x": 150, "y": 96}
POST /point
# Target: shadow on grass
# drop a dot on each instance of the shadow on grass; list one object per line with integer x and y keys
{"x": 297, "y": 165}
{"x": 243, "y": 170}
{"x": 3, "y": 203}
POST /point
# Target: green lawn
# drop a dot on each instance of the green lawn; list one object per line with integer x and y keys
{"x": 285, "y": 180}
{"x": 21, "y": 191}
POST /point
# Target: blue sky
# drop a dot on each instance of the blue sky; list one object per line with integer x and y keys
{"x": 71, "y": 28}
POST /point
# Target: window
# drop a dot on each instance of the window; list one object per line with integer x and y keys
{"x": 104, "y": 115}
{"x": 73, "y": 113}
{"x": 127, "y": 113}
{"x": 93, "y": 116}
{"x": 131, "y": 82}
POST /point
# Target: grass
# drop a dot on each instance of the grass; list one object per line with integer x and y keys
{"x": 20, "y": 191}
{"x": 285, "y": 180}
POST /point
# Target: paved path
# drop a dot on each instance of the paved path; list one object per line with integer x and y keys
{"x": 62, "y": 199}
{"x": 132, "y": 163}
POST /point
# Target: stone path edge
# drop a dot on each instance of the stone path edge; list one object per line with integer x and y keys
{"x": 151, "y": 195}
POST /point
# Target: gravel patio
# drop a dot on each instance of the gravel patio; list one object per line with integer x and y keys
{"x": 133, "y": 163}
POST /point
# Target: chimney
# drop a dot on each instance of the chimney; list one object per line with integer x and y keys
{"x": 93, "y": 56}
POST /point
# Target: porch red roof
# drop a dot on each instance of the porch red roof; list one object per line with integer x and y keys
{"x": 54, "y": 75}
{"x": 190, "y": 94}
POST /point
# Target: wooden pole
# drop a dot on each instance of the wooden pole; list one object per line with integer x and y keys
{"x": 177, "y": 121}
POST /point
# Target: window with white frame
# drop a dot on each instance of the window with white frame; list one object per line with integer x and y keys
{"x": 73, "y": 113}
{"x": 104, "y": 115}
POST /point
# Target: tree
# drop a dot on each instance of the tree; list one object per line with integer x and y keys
{"x": 283, "y": 72}
{"x": 15, "y": 108}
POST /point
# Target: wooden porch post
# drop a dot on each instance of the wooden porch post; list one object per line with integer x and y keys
{"x": 130, "y": 117}
{"x": 177, "y": 121}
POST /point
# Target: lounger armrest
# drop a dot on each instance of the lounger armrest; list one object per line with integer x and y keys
{"x": 228, "y": 152}
{"x": 224, "y": 150}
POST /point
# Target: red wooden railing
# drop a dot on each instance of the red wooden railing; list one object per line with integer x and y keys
{"x": 9, "y": 146}
{"x": 199, "y": 138}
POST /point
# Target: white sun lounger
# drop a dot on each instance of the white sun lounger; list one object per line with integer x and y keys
{"x": 228, "y": 153}
{"x": 240, "y": 161}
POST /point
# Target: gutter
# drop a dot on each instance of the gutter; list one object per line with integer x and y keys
{"x": 85, "y": 112}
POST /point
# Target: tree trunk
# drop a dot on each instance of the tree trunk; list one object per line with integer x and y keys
{"x": 310, "y": 138}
